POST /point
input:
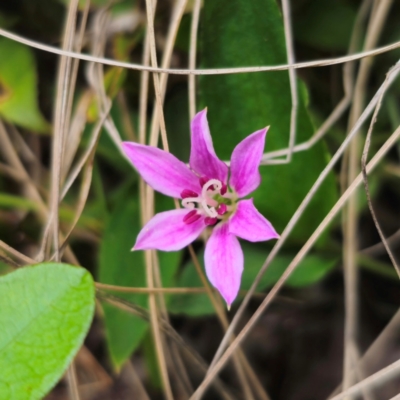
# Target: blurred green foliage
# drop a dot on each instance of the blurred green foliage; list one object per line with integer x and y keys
{"x": 232, "y": 34}
{"x": 18, "y": 87}
{"x": 46, "y": 311}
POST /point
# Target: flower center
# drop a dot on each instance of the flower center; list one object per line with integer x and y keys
{"x": 214, "y": 202}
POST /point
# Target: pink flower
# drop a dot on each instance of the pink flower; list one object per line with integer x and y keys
{"x": 209, "y": 198}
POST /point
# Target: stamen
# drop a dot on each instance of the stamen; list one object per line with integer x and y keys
{"x": 191, "y": 216}
{"x": 203, "y": 180}
{"x": 212, "y": 184}
{"x": 188, "y": 193}
{"x": 189, "y": 202}
{"x": 206, "y": 196}
{"x": 222, "y": 209}
{"x": 223, "y": 189}
{"x": 210, "y": 221}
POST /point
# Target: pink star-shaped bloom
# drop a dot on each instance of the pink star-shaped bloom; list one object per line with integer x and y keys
{"x": 210, "y": 197}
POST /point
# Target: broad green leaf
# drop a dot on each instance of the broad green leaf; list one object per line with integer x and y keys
{"x": 245, "y": 33}
{"x": 324, "y": 24}
{"x": 310, "y": 270}
{"x": 18, "y": 91}
{"x": 118, "y": 265}
{"x": 177, "y": 123}
{"x": 45, "y": 313}
{"x": 4, "y": 268}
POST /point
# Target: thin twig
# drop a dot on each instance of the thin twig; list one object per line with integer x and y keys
{"x": 368, "y": 194}
{"x": 300, "y": 210}
{"x": 294, "y": 263}
{"x": 211, "y": 71}
{"x": 168, "y": 330}
{"x": 192, "y": 56}
{"x": 292, "y": 77}
{"x": 391, "y": 76}
{"x": 350, "y": 232}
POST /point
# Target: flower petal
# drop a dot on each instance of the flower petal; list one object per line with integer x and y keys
{"x": 203, "y": 159}
{"x": 224, "y": 262}
{"x": 166, "y": 231}
{"x": 245, "y": 160}
{"x": 249, "y": 224}
{"x": 161, "y": 170}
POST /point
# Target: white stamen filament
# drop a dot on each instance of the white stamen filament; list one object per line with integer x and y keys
{"x": 188, "y": 202}
{"x": 205, "y": 200}
{"x": 207, "y": 195}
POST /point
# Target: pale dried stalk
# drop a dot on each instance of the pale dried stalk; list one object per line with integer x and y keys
{"x": 379, "y": 378}
{"x": 350, "y": 233}
{"x": 367, "y": 191}
{"x": 192, "y": 56}
{"x": 292, "y": 78}
{"x": 70, "y": 142}
{"x": 89, "y": 153}
{"x": 176, "y": 364}
{"x": 348, "y": 89}
{"x": 292, "y": 266}
{"x": 72, "y": 382}
{"x": 168, "y": 330}
{"x": 391, "y": 76}
{"x": 156, "y": 79}
{"x": 16, "y": 254}
{"x": 210, "y": 71}
{"x": 380, "y": 248}
{"x": 149, "y": 212}
{"x": 11, "y": 156}
{"x": 177, "y": 14}
{"x": 60, "y": 123}
{"x": 170, "y": 290}
{"x": 144, "y": 91}
{"x": 238, "y": 358}
{"x": 348, "y": 71}
{"x": 77, "y": 126}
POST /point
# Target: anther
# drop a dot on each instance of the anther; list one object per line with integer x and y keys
{"x": 203, "y": 180}
{"x": 188, "y": 193}
{"x": 191, "y": 216}
{"x": 222, "y": 209}
{"x": 223, "y": 189}
{"x": 210, "y": 221}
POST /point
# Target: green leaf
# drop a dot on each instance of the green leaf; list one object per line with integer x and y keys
{"x": 243, "y": 33}
{"x": 313, "y": 268}
{"x": 325, "y": 24}
{"x": 45, "y": 313}
{"x": 18, "y": 87}
{"x": 118, "y": 265}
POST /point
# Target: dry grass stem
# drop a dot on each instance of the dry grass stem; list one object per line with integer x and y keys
{"x": 291, "y": 224}
{"x": 218, "y": 364}
{"x": 350, "y": 231}
{"x": 192, "y": 57}
{"x": 211, "y": 71}
{"x": 292, "y": 77}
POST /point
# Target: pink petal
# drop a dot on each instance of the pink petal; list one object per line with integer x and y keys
{"x": 245, "y": 160}
{"x": 224, "y": 262}
{"x": 161, "y": 170}
{"x": 249, "y": 224}
{"x": 203, "y": 159}
{"x": 168, "y": 232}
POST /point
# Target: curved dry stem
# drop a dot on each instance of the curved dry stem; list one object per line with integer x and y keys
{"x": 192, "y": 56}
{"x": 292, "y": 77}
{"x": 292, "y": 266}
{"x": 392, "y": 75}
{"x": 350, "y": 231}
{"x": 211, "y": 71}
